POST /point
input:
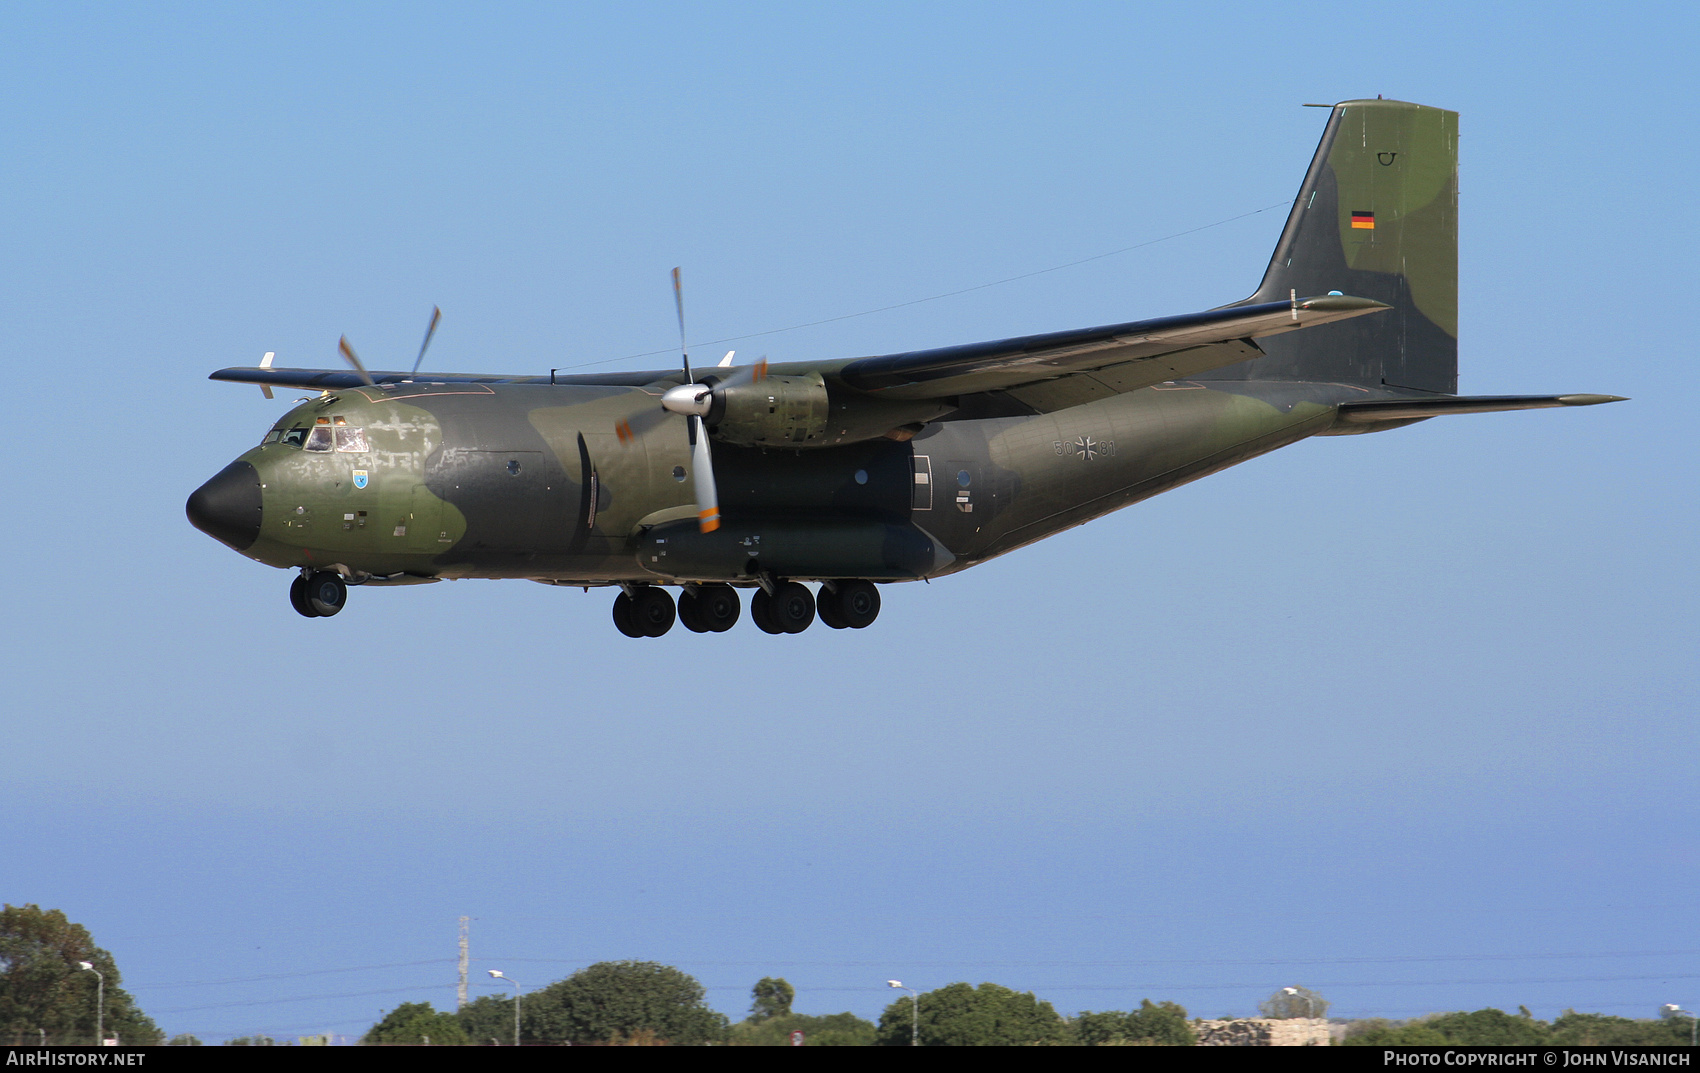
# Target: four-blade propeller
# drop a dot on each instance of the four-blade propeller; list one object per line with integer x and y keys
{"x": 693, "y": 400}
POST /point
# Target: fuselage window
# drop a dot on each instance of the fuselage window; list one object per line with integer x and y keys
{"x": 351, "y": 439}
{"x": 319, "y": 439}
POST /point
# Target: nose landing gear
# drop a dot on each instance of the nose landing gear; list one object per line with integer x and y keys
{"x": 317, "y": 594}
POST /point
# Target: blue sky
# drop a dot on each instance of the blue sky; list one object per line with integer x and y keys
{"x": 1406, "y": 718}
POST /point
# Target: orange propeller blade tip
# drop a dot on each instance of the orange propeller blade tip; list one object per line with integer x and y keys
{"x": 624, "y": 431}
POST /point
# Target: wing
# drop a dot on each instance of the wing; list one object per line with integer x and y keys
{"x": 1047, "y": 372}
{"x": 1061, "y": 369}
{"x": 338, "y": 379}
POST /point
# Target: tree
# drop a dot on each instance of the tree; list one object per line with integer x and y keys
{"x": 615, "y": 1001}
{"x": 1488, "y": 1028}
{"x": 830, "y": 1030}
{"x": 772, "y": 998}
{"x": 488, "y": 1020}
{"x": 416, "y": 1022}
{"x": 962, "y": 1016}
{"x": 1292, "y": 1002}
{"x": 1598, "y": 1030}
{"x": 44, "y": 988}
{"x": 183, "y": 1040}
{"x": 1161, "y": 1024}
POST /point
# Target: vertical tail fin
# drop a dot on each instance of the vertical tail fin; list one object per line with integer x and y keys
{"x": 1377, "y": 217}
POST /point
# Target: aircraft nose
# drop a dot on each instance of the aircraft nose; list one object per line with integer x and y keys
{"x": 227, "y": 508}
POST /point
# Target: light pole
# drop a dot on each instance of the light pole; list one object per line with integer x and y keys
{"x": 99, "y": 1003}
{"x": 1310, "y": 1007}
{"x": 497, "y": 974}
{"x": 1693, "y": 1022}
{"x": 915, "y": 1010}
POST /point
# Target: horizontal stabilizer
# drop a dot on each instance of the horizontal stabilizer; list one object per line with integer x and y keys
{"x": 1384, "y": 410}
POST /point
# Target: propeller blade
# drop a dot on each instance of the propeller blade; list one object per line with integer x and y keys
{"x": 702, "y": 476}
{"x": 436, "y": 315}
{"x": 679, "y": 303}
{"x": 746, "y": 374}
{"x": 630, "y": 428}
{"x": 348, "y": 354}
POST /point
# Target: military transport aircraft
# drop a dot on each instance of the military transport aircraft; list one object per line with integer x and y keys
{"x": 857, "y": 472}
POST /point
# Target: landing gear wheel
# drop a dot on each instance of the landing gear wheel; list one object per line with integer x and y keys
{"x": 826, "y": 607}
{"x": 690, "y": 612}
{"x": 793, "y": 607}
{"x": 761, "y": 612}
{"x": 298, "y": 597}
{"x": 717, "y": 607}
{"x": 858, "y": 603}
{"x": 624, "y": 621}
{"x": 652, "y": 611}
{"x": 325, "y": 593}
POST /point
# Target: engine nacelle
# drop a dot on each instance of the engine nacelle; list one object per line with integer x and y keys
{"x": 776, "y": 411}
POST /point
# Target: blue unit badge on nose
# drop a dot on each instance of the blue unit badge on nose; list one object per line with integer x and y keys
{"x": 359, "y": 478}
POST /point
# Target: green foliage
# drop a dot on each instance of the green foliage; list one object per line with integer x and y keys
{"x": 251, "y": 1041}
{"x": 416, "y": 1022}
{"x": 1495, "y": 1028}
{"x": 43, "y": 987}
{"x": 1290, "y": 1002}
{"x": 184, "y": 1040}
{"x": 831, "y": 1030}
{"x": 772, "y": 998}
{"x": 1160, "y": 1024}
{"x": 1376, "y": 1032}
{"x": 488, "y": 1021}
{"x": 962, "y": 1016}
{"x": 1598, "y": 1030}
{"x": 617, "y": 1001}
{"x": 1488, "y": 1028}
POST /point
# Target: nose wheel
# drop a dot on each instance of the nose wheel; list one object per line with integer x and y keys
{"x": 318, "y": 594}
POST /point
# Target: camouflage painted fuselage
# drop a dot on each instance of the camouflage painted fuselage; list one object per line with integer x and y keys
{"x": 528, "y": 481}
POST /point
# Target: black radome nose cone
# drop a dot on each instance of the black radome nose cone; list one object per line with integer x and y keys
{"x": 227, "y": 507}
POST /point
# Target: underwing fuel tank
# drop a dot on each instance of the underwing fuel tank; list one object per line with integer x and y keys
{"x": 877, "y": 551}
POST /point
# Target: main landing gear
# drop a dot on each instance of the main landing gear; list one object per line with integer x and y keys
{"x": 648, "y": 610}
{"x": 318, "y": 594}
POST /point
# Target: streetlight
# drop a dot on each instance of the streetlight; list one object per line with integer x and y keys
{"x": 915, "y": 1010}
{"x": 99, "y": 1002}
{"x": 497, "y": 974}
{"x": 1693, "y": 1022}
{"x": 1310, "y": 1007}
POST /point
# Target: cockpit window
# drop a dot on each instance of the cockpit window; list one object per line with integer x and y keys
{"x": 272, "y": 437}
{"x": 294, "y": 437}
{"x": 319, "y": 439}
{"x": 351, "y": 439}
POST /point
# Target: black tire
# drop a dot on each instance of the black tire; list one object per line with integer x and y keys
{"x": 652, "y": 610}
{"x": 858, "y": 603}
{"x": 761, "y": 613}
{"x": 326, "y": 593}
{"x": 826, "y": 607}
{"x": 298, "y": 597}
{"x": 624, "y": 620}
{"x": 690, "y": 612}
{"x": 793, "y": 607}
{"x": 718, "y": 607}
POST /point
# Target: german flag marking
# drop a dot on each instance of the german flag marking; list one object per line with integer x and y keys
{"x": 1363, "y": 220}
